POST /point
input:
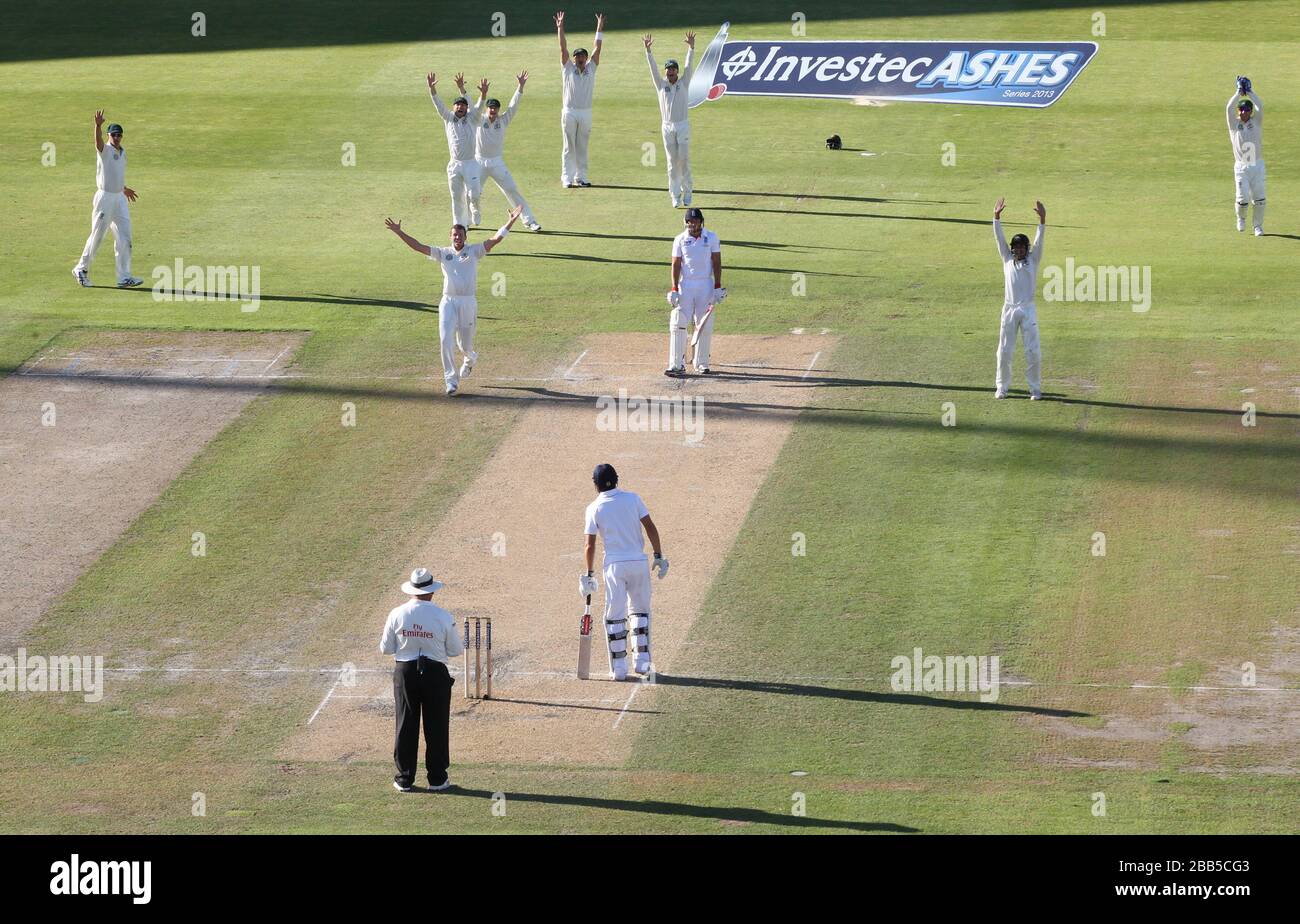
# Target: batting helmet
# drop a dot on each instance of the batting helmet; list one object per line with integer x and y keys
{"x": 693, "y": 213}
{"x": 605, "y": 478}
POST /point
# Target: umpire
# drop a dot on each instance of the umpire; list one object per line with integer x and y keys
{"x": 421, "y": 637}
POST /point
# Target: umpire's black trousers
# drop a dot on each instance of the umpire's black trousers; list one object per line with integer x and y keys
{"x": 421, "y": 686}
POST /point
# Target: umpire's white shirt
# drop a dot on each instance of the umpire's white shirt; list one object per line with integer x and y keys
{"x": 459, "y": 268}
{"x": 696, "y": 254}
{"x": 110, "y": 169}
{"x": 419, "y": 628}
{"x": 579, "y": 86}
{"x": 615, "y": 516}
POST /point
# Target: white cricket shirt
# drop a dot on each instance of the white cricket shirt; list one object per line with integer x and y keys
{"x": 460, "y": 131}
{"x": 615, "y": 516}
{"x": 459, "y": 268}
{"x": 419, "y": 628}
{"x": 1019, "y": 278}
{"x": 490, "y": 135}
{"x": 1248, "y": 137}
{"x": 110, "y": 169}
{"x": 672, "y": 96}
{"x": 579, "y": 87}
{"x": 696, "y": 255}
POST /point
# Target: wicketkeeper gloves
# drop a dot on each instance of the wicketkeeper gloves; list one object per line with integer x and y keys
{"x": 1243, "y": 84}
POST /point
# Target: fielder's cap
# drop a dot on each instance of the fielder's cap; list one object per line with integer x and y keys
{"x": 421, "y": 582}
{"x": 694, "y": 213}
{"x": 605, "y": 477}
{"x": 1245, "y": 104}
{"x": 114, "y": 129}
{"x": 580, "y": 51}
{"x": 671, "y": 62}
{"x": 458, "y": 100}
{"x": 494, "y": 104}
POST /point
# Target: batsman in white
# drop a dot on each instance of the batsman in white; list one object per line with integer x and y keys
{"x": 676, "y": 127}
{"x": 489, "y": 151}
{"x": 109, "y": 208}
{"x": 1246, "y": 129}
{"x": 578, "y": 86}
{"x": 462, "y": 170}
{"x": 458, "y": 309}
{"x": 617, "y": 517}
{"x": 696, "y": 289}
{"x": 1019, "y": 315}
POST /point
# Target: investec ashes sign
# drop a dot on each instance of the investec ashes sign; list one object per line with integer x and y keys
{"x": 1033, "y": 74}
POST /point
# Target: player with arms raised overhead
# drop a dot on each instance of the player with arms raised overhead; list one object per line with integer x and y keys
{"x": 672, "y": 90}
{"x": 489, "y": 153}
{"x": 462, "y": 169}
{"x": 458, "y": 309}
{"x": 1019, "y": 315}
{"x": 1246, "y": 131}
{"x": 578, "y": 87}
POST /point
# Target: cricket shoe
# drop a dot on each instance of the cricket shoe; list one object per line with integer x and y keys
{"x": 82, "y": 277}
{"x": 677, "y": 203}
{"x": 467, "y": 366}
{"x": 451, "y": 391}
{"x": 643, "y": 666}
{"x": 617, "y": 677}
{"x": 475, "y": 218}
{"x": 584, "y": 184}
{"x": 1241, "y": 224}
{"x": 440, "y": 787}
{"x": 676, "y": 372}
{"x": 401, "y": 787}
{"x": 128, "y": 282}
{"x": 532, "y": 226}
{"x": 686, "y": 200}
{"x": 1259, "y": 232}
{"x": 702, "y": 370}
{"x": 1000, "y": 393}
{"x": 1035, "y": 396}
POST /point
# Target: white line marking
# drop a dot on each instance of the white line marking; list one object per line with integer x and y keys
{"x": 811, "y": 365}
{"x": 622, "y": 712}
{"x": 324, "y": 701}
{"x": 278, "y": 357}
{"x": 575, "y": 363}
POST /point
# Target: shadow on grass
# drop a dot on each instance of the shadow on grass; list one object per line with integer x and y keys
{"x": 688, "y": 810}
{"x": 531, "y": 702}
{"x": 665, "y": 241}
{"x": 784, "y": 688}
{"x": 176, "y": 295}
{"x": 783, "y": 195}
{"x": 659, "y": 264}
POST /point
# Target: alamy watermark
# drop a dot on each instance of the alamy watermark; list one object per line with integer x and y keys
{"x": 638, "y": 414}
{"x": 192, "y": 282}
{"x": 1073, "y": 283}
{"x": 921, "y": 672}
{"x": 54, "y": 674}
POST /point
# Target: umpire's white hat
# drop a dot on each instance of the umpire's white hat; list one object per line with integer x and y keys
{"x": 421, "y": 582}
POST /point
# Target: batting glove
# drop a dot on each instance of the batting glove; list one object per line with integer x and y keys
{"x": 674, "y": 298}
{"x": 587, "y": 586}
{"x": 661, "y": 565}
{"x": 719, "y": 294}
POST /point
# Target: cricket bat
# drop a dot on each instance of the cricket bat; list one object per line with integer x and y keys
{"x": 695, "y": 337}
{"x": 584, "y": 642}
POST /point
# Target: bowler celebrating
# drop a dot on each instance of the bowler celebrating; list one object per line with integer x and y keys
{"x": 578, "y": 80}
{"x": 458, "y": 309}
{"x": 109, "y": 207}
{"x": 462, "y": 168}
{"x": 697, "y": 286}
{"x": 1020, "y": 277}
{"x": 489, "y": 150}
{"x": 1245, "y": 130}
{"x": 617, "y": 517}
{"x": 672, "y": 92}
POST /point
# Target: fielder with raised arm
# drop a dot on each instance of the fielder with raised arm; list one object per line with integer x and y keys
{"x": 1245, "y": 129}
{"x": 578, "y": 86}
{"x": 458, "y": 309}
{"x": 617, "y": 517}
{"x": 462, "y": 169}
{"x": 109, "y": 209}
{"x": 1019, "y": 315}
{"x": 676, "y": 127}
{"x": 696, "y": 290}
{"x": 489, "y": 151}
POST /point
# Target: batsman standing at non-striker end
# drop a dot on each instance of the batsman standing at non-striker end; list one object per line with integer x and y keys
{"x": 577, "y": 89}
{"x": 696, "y": 291}
{"x": 1019, "y": 313}
{"x": 618, "y": 517}
{"x": 109, "y": 208}
{"x": 1246, "y": 131}
{"x": 672, "y": 90}
{"x": 458, "y": 309}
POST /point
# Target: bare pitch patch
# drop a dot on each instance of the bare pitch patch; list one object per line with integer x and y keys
{"x": 511, "y": 547}
{"x": 91, "y": 432}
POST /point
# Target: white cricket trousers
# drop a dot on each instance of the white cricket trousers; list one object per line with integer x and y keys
{"x": 464, "y": 182}
{"x": 677, "y": 146}
{"x": 627, "y": 596}
{"x": 576, "y": 124}
{"x": 1022, "y": 319}
{"x": 457, "y": 317}
{"x": 695, "y": 300}
{"x": 109, "y": 210}
{"x": 1249, "y": 181}
{"x": 494, "y": 168}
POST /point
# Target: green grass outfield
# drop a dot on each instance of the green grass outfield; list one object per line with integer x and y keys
{"x": 971, "y": 539}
